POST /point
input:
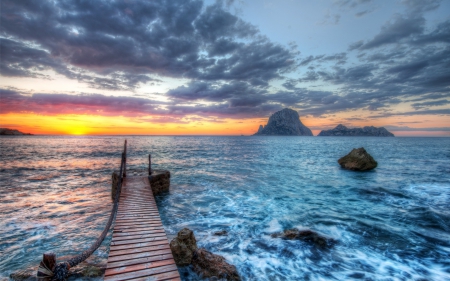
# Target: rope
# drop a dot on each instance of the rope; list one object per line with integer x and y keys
{"x": 61, "y": 270}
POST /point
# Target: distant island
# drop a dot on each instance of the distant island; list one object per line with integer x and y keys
{"x": 285, "y": 122}
{"x": 12, "y": 132}
{"x": 368, "y": 131}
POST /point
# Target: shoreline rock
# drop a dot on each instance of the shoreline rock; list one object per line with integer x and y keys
{"x": 285, "y": 122}
{"x": 205, "y": 264}
{"x": 367, "y": 131}
{"x": 183, "y": 247}
{"x": 358, "y": 160}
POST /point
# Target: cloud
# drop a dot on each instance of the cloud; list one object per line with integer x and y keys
{"x": 98, "y": 42}
{"x": 395, "y": 30}
{"x": 92, "y": 104}
{"x": 411, "y": 129}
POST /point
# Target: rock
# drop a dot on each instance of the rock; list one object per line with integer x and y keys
{"x": 159, "y": 181}
{"x": 358, "y": 160}
{"x": 28, "y": 274}
{"x": 368, "y": 131}
{"x": 12, "y": 132}
{"x": 285, "y": 122}
{"x": 183, "y": 247}
{"x": 209, "y": 265}
{"x": 221, "y": 233}
{"x": 306, "y": 235}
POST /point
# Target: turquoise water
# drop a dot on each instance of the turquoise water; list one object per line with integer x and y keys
{"x": 392, "y": 223}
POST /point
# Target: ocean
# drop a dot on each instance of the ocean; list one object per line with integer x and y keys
{"x": 392, "y": 223}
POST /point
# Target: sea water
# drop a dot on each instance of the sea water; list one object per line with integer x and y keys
{"x": 392, "y": 223}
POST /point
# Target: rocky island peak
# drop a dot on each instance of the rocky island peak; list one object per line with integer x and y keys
{"x": 285, "y": 122}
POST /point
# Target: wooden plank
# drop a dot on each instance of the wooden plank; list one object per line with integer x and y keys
{"x": 130, "y": 222}
{"x": 142, "y": 273}
{"x": 139, "y": 249}
{"x": 122, "y": 262}
{"x": 155, "y": 255}
{"x": 158, "y": 245}
{"x": 166, "y": 276}
{"x": 141, "y": 227}
{"x": 118, "y": 233}
{"x": 137, "y": 267}
{"x": 130, "y": 237}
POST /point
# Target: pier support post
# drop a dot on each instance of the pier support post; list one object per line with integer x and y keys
{"x": 125, "y": 159}
{"x": 149, "y": 164}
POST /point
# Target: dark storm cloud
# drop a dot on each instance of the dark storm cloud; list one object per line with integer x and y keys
{"x": 142, "y": 38}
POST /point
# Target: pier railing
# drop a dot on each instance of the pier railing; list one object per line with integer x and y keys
{"x": 50, "y": 270}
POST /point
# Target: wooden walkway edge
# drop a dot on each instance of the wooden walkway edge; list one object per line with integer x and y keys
{"x": 139, "y": 246}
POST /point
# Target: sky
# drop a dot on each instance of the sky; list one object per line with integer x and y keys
{"x": 189, "y": 67}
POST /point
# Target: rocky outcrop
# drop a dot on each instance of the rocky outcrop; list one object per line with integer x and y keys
{"x": 306, "y": 235}
{"x": 208, "y": 265}
{"x": 183, "y": 247}
{"x": 368, "y": 131}
{"x": 205, "y": 264}
{"x": 159, "y": 181}
{"x": 11, "y": 132}
{"x": 285, "y": 122}
{"x": 358, "y": 160}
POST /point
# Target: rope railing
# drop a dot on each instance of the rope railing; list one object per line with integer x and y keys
{"x": 48, "y": 268}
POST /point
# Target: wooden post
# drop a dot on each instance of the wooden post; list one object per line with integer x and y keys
{"x": 125, "y": 159}
{"x": 46, "y": 267}
{"x": 149, "y": 164}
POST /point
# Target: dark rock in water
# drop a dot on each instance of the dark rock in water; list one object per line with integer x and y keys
{"x": 358, "y": 160}
{"x": 221, "y": 233}
{"x": 206, "y": 264}
{"x": 183, "y": 247}
{"x": 12, "y": 132}
{"x": 306, "y": 235}
{"x": 285, "y": 122}
{"x": 209, "y": 265}
{"x": 368, "y": 131}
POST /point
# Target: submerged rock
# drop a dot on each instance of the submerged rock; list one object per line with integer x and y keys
{"x": 306, "y": 235}
{"x": 285, "y": 122}
{"x": 358, "y": 160}
{"x": 209, "y": 265}
{"x": 183, "y": 247}
{"x": 220, "y": 233}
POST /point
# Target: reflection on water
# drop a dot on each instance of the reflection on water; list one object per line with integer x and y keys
{"x": 392, "y": 223}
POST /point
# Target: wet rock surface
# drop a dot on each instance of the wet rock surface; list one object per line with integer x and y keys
{"x": 209, "y": 265}
{"x": 183, "y": 247}
{"x": 205, "y": 264}
{"x": 307, "y": 235}
{"x": 220, "y": 233}
{"x": 159, "y": 181}
{"x": 86, "y": 270}
{"x": 358, "y": 160}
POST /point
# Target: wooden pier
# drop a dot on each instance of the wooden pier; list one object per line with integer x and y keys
{"x": 139, "y": 246}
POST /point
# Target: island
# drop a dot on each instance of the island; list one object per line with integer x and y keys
{"x": 367, "y": 131}
{"x": 285, "y": 122}
{"x": 12, "y": 132}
